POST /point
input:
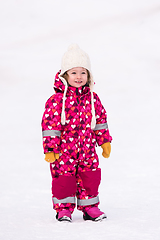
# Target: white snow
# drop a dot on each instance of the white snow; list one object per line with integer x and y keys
{"x": 122, "y": 39}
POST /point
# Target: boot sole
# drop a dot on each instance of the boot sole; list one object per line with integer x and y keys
{"x": 100, "y": 218}
{"x": 63, "y": 219}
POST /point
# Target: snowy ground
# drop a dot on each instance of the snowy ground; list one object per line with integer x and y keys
{"x": 122, "y": 39}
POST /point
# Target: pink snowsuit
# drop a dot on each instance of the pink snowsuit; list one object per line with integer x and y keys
{"x": 76, "y": 172}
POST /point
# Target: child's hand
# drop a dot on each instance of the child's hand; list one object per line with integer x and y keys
{"x": 106, "y": 149}
{"x": 51, "y": 157}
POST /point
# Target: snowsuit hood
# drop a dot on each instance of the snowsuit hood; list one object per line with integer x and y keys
{"x": 61, "y": 85}
{"x": 58, "y": 85}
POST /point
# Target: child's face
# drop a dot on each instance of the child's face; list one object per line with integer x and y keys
{"x": 77, "y": 77}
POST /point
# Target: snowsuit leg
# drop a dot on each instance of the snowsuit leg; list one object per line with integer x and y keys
{"x": 88, "y": 181}
{"x": 63, "y": 184}
{"x": 75, "y": 177}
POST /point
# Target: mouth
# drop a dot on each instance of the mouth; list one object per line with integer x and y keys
{"x": 78, "y": 81}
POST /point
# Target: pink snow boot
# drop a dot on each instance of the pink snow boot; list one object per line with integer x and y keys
{"x": 64, "y": 215}
{"x": 94, "y": 214}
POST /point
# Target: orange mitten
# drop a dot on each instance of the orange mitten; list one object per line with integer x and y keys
{"x": 51, "y": 157}
{"x": 106, "y": 149}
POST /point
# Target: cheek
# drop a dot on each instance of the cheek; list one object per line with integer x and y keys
{"x": 70, "y": 79}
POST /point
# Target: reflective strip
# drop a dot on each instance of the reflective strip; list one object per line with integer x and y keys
{"x": 86, "y": 202}
{"x": 100, "y": 126}
{"x": 50, "y": 133}
{"x": 64, "y": 200}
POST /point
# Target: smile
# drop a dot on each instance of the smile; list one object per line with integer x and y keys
{"x": 78, "y": 81}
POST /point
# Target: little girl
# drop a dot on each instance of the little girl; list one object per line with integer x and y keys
{"x": 74, "y": 121}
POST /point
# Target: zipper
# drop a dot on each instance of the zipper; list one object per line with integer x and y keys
{"x": 77, "y": 95}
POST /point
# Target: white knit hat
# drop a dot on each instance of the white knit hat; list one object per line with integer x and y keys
{"x": 76, "y": 57}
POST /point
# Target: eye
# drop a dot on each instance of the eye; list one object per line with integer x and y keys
{"x": 73, "y": 72}
{"x": 83, "y": 72}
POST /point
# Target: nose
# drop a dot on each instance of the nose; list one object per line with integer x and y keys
{"x": 78, "y": 75}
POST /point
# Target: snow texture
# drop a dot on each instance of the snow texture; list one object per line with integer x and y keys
{"x": 122, "y": 39}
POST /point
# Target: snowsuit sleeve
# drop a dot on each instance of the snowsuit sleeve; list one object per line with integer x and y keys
{"x": 101, "y": 129}
{"x": 51, "y": 125}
